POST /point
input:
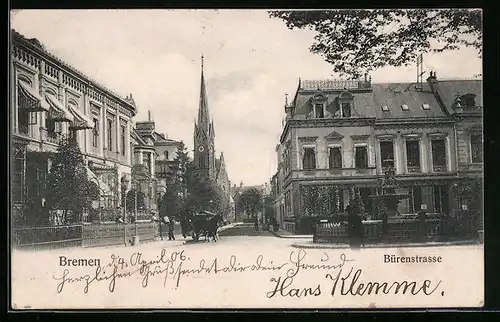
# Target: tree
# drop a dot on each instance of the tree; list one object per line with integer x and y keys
{"x": 182, "y": 162}
{"x": 202, "y": 194}
{"x": 358, "y": 41}
{"x": 250, "y": 201}
{"x": 131, "y": 199}
{"x": 68, "y": 186}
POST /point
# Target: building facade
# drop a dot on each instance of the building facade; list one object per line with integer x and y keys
{"x": 206, "y": 163}
{"x": 339, "y": 136}
{"x": 51, "y": 101}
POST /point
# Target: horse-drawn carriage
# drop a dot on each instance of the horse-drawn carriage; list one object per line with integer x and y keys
{"x": 204, "y": 223}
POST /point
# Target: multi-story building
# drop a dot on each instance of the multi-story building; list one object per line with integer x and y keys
{"x": 340, "y": 135}
{"x": 50, "y": 100}
{"x": 154, "y": 162}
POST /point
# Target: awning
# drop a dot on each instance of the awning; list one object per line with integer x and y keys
{"x": 103, "y": 188}
{"x": 30, "y": 99}
{"x": 57, "y": 110}
{"x": 81, "y": 121}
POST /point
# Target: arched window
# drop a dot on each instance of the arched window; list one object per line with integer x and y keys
{"x": 165, "y": 154}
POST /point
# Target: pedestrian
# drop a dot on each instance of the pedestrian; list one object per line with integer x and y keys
{"x": 256, "y": 224}
{"x": 171, "y": 229}
{"x": 353, "y": 227}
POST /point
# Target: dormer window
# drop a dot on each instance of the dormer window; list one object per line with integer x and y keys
{"x": 346, "y": 110}
{"x": 385, "y": 108}
{"x": 426, "y": 106}
{"x": 405, "y": 107}
{"x": 468, "y": 100}
{"x": 345, "y": 104}
{"x": 319, "y": 112}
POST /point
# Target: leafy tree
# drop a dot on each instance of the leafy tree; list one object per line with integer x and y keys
{"x": 250, "y": 201}
{"x": 182, "y": 161}
{"x": 357, "y": 41}
{"x": 131, "y": 200}
{"x": 202, "y": 195}
{"x": 68, "y": 186}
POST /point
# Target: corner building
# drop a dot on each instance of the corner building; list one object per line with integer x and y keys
{"x": 51, "y": 101}
{"x": 338, "y": 136}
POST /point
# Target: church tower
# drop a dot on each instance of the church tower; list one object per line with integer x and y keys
{"x": 204, "y": 136}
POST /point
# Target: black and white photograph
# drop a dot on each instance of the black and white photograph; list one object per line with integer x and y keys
{"x": 246, "y": 158}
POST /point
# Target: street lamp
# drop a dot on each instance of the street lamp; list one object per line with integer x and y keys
{"x": 124, "y": 185}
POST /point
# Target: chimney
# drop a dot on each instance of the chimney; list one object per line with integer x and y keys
{"x": 432, "y": 81}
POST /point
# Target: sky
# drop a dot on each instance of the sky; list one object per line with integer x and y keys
{"x": 250, "y": 62}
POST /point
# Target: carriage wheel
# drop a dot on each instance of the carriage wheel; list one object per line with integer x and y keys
{"x": 195, "y": 237}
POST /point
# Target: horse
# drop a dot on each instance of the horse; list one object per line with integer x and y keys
{"x": 212, "y": 227}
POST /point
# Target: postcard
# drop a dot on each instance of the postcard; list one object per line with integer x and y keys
{"x": 200, "y": 159}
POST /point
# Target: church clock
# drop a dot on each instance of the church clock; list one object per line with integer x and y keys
{"x": 201, "y": 148}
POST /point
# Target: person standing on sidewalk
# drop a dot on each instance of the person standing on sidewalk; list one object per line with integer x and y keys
{"x": 171, "y": 229}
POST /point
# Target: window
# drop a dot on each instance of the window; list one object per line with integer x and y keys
{"x": 468, "y": 100}
{"x": 23, "y": 119}
{"x": 50, "y": 126}
{"x": 416, "y": 198}
{"x": 165, "y": 154}
{"x": 385, "y": 108}
{"x": 476, "y": 146}
{"x": 146, "y": 159}
{"x": 438, "y": 154}
{"x": 441, "y": 199}
{"x": 346, "y": 109}
{"x": 123, "y": 139}
{"x": 426, "y": 106}
{"x": 412, "y": 154}
{"x": 405, "y": 107}
{"x": 95, "y": 133}
{"x": 361, "y": 157}
{"x": 309, "y": 160}
{"x": 335, "y": 159}
{"x": 110, "y": 135}
{"x": 318, "y": 110}
{"x": 387, "y": 152}
{"x": 201, "y": 161}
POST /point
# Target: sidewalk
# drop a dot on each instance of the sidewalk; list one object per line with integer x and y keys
{"x": 310, "y": 244}
{"x": 285, "y": 234}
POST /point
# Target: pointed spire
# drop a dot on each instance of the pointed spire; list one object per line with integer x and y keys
{"x": 203, "y": 116}
{"x": 149, "y": 115}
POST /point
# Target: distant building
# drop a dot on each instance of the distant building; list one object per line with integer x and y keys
{"x": 52, "y": 101}
{"x": 154, "y": 163}
{"x": 340, "y": 135}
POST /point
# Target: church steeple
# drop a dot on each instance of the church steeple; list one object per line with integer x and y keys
{"x": 204, "y": 135}
{"x": 203, "y": 115}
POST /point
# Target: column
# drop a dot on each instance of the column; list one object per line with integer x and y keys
{"x": 424, "y": 157}
{"x": 117, "y": 132}
{"x": 127, "y": 143}
{"x": 140, "y": 157}
{"x": 398, "y": 160}
{"x": 152, "y": 164}
{"x": 449, "y": 161}
{"x": 87, "y": 112}
{"x": 103, "y": 137}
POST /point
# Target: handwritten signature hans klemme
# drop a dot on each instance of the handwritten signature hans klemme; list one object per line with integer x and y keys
{"x": 174, "y": 265}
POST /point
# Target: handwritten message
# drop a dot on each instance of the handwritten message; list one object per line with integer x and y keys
{"x": 341, "y": 276}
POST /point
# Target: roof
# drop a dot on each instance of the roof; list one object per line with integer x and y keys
{"x": 36, "y": 45}
{"x": 448, "y": 89}
{"x": 369, "y": 99}
{"x": 217, "y": 165}
{"x": 363, "y": 102}
{"x": 161, "y": 140}
{"x": 394, "y": 95}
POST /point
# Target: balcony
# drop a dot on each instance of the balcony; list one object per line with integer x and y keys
{"x": 413, "y": 169}
{"x": 333, "y": 173}
{"x": 439, "y": 168}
